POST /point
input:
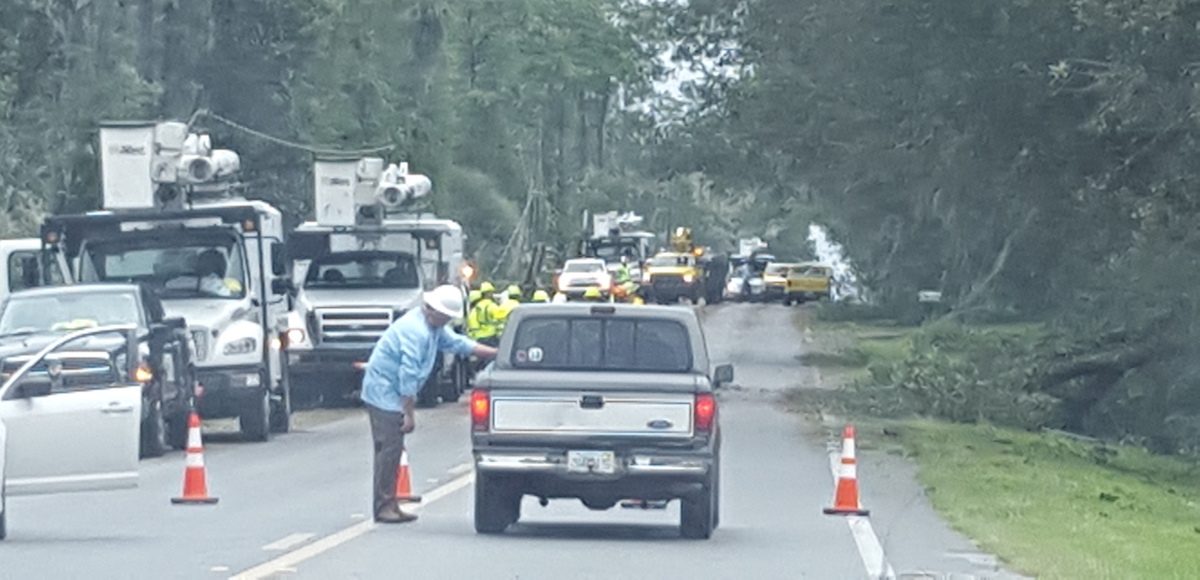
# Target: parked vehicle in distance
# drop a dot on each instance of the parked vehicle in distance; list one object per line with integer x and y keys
{"x": 808, "y": 281}
{"x": 579, "y": 274}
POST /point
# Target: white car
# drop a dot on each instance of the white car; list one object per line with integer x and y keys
{"x": 58, "y": 438}
{"x": 579, "y": 274}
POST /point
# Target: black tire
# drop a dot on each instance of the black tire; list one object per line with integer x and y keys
{"x": 716, "y": 485}
{"x": 497, "y": 505}
{"x": 698, "y": 517}
{"x": 458, "y": 386}
{"x": 255, "y": 419}
{"x": 281, "y": 410}
{"x": 177, "y": 431}
{"x": 154, "y": 431}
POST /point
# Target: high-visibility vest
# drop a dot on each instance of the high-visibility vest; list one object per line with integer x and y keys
{"x": 503, "y": 310}
{"x": 484, "y": 313}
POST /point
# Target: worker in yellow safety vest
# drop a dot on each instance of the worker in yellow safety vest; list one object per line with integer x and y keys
{"x": 593, "y": 295}
{"x": 484, "y": 313}
{"x": 540, "y": 297}
{"x": 473, "y": 298}
{"x": 513, "y": 295}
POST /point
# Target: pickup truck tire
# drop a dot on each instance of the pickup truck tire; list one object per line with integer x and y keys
{"x": 497, "y": 504}
{"x": 154, "y": 430}
{"x": 698, "y": 517}
{"x": 255, "y": 419}
{"x": 461, "y": 382}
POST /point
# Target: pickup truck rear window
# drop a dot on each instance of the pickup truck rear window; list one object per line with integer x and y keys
{"x": 608, "y": 344}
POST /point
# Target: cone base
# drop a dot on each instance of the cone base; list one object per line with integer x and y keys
{"x": 408, "y": 499}
{"x": 194, "y": 500}
{"x": 846, "y": 512}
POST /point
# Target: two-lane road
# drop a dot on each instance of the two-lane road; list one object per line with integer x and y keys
{"x": 297, "y": 506}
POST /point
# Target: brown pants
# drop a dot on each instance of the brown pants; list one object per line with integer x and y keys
{"x": 388, "y": 437}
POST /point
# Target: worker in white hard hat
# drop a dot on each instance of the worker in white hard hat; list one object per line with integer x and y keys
{"x": 397, "y": 370}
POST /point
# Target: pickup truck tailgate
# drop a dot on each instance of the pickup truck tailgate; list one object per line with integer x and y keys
{"x": 626, "y": 414}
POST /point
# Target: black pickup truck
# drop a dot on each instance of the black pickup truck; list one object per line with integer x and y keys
{"x": 602, "y": 403}
{"x": 32, "y": 319}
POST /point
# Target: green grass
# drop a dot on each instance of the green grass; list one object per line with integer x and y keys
{"x": 1054, "y": 507}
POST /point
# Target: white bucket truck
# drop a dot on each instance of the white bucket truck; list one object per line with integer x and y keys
{"x": 175, "y": 222}
{"x": 361, "y": 264}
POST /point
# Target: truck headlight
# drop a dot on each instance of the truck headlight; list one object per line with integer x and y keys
{"x": 688, "y": 278}
{"x": 294, "y": 336}
{"x": 243, "y": 346}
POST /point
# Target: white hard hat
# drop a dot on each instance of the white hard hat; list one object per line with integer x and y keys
{"x": 445, "y": 299}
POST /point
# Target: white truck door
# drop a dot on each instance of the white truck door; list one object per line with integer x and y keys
{"x": 72, "y": 440}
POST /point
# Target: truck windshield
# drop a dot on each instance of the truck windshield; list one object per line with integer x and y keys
{"x": 363, "y": 270}
{"x": 184, "y": 267}
{"x": 67, "y": 312}
{"x": 610, "y": 344}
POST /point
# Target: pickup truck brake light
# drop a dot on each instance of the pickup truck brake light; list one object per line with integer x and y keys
{"x": 481, "y": 409}
{"x": 705, "y": 410}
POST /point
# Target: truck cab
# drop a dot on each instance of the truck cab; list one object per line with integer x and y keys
{"x": 359, "y": 266}
{"x": 23, "y": 266}
{"x": 175, "y": 222}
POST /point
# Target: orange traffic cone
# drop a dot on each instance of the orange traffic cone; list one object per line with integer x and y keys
{"x": 404, "y": 492}
{"x": 195, "y": 487}
{"x": 845, "y": 497}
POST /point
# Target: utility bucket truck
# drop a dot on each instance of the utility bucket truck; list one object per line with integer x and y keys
{"x": 359, "y": 266}
{"x": 174, "y": 222}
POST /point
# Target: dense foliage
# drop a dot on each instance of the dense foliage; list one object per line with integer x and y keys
{"x": 1031, "y": 160}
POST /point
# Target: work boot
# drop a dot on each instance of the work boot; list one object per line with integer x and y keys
{"x": 394, "y": 515}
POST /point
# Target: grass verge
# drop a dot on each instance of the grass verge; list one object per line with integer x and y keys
{"x": 1054, "y": 507}
{"x": 1049, "y": 506}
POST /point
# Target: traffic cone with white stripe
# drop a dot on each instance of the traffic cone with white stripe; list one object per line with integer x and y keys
{"x": 845, "y": 496}
{"x": 195, "y": 485}
{"x": 404, "y": 492}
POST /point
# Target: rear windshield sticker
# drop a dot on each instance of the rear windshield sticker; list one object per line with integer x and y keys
{"x": 521, "y": 356}
{"x": 535, "y": 354}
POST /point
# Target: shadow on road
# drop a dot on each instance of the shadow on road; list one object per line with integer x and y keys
{"x": 595, "y": 531}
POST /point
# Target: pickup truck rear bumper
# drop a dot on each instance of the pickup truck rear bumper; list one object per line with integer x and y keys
{"x": 555, "y": 463}
{"x": 641, "y": 474}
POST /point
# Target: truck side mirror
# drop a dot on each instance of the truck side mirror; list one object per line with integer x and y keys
{"x": 31, "y": 389}
{"x": 282, "y": 285}
{"x": 175, "y": 322}
{"x": 723, "y": 375}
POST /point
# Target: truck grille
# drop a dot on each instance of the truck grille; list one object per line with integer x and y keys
{"x": 667, "y": 280}
{"x": 81, "y": 371}
{"x": 352, "y": 325}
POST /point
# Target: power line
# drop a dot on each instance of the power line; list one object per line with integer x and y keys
{"x": 321, "y": 151}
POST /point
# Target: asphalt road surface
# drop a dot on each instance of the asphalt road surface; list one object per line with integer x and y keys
{"x": 297, "y": 507}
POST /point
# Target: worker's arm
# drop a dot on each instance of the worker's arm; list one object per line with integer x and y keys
{"x": 411, "y": 378}
{"x": 451, "y": 341}
{"x": 484, "y": 351}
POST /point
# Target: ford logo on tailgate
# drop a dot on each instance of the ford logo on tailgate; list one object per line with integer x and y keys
{"x": 660, "y": 424}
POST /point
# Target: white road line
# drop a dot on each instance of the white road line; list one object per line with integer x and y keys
{"x": 288, "y": 542}
{"x": 461, "y": 468}
{"x": 288, "y": 561}
{"x": 869, "y": 548}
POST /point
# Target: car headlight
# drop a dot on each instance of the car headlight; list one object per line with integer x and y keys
{"x": 242, "y": 346}
{"x": 688, "y": 278}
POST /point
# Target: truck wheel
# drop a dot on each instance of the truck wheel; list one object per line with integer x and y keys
{"x": 458, "y": 386}
{"x": 177, "y": 431}
{"x": 697, "y": 517}
{"x": 497, "y": 506}
{"x": 255, "y": 420}
{"x": 281, "y": 410}
{"x": 154, "y": 431}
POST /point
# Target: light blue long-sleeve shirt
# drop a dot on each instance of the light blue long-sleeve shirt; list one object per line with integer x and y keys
{"x": 403, "y": 358}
